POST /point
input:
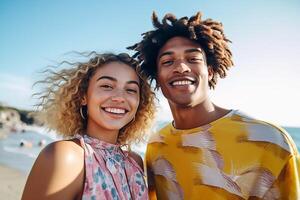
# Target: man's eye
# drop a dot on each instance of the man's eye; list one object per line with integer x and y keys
{"x": 167, "y": 62}
{"x": 196, "y": 59}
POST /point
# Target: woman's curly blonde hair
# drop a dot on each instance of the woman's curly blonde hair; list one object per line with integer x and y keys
{"x": 60, "y": 102}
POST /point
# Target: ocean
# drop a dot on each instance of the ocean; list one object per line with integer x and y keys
{"x": 22, "y": 158}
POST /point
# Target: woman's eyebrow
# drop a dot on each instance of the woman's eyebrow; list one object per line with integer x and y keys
{"x": 107, "y": 77}
{"x": 133, "y": 82}
{"x": 115, "y": 80}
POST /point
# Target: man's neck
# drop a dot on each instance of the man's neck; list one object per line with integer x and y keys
{"x": 199, "y": 115}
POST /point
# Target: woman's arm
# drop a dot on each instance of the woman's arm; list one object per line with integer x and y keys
{"x": 58, "y": 173}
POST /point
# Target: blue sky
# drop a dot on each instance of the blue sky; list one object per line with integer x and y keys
{"x": 265, "y": 36}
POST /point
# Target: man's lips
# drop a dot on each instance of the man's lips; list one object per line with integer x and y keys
{"x": 182, "y": 81}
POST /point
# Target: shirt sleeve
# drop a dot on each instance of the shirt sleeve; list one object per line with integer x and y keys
{"x": 287, "y": 185}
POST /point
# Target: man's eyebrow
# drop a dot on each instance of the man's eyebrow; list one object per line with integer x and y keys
{"x": 186, "y": 51}
{"x": 165, "y": 53}
{"x": 193, "y": 50}
{"x": 107, "y": 77}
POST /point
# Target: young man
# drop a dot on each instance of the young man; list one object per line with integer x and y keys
{"x": 208, "y": 152}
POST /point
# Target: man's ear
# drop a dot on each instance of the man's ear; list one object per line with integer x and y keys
{"x": 210, "y": 73}
{"x": 157, "y": 86}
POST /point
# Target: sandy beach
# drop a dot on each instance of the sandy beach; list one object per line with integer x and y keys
{"x": 11, "y": 183}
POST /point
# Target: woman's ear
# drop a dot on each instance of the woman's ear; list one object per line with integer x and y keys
{"x": 84, "y": 101}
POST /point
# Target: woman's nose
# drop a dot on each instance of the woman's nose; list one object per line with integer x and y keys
{"x": 118, "y": 96}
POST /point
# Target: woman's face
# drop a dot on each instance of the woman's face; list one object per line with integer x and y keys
{"x": 112, "y": 98}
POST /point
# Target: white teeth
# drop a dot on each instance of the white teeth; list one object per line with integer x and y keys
{"x": 185, "y": 82}
{"x": 115, "y": 110}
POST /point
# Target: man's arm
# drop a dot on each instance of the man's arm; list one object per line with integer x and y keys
{"x": 150, "y": 176}
{"x": 287, "y": 185}
{"x": 151, "y": 184}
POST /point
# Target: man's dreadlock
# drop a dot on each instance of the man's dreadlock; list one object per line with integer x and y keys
{"x": 207, "y": 33}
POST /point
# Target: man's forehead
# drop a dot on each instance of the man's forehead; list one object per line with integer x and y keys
{"x": 179, "y": 44}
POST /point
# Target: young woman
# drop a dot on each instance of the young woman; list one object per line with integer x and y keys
{"x": 102, "y": 104}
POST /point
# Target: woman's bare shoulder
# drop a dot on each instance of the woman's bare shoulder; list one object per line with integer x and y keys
{"x": 58, "y": 171}
{"x": 65, "y": 151}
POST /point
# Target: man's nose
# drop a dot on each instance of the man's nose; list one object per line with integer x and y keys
{"x": 181, "y": 67}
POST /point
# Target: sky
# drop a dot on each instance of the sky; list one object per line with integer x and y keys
{"x": 265, "y": 43}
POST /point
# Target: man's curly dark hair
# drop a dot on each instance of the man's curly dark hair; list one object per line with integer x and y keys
{"x": 207, "y": 33}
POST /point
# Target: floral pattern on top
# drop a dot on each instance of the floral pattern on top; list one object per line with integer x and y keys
{"x": 110, "y": 173}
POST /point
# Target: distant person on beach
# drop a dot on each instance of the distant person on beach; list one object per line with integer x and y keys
{"x": 208, "y": 152}
{"x": 42, "y": 143}
{"x": 25, "y": 143}
{"x": 104, "y": 105}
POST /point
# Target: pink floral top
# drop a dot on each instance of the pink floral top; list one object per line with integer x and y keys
{"x": 110, "y": 173}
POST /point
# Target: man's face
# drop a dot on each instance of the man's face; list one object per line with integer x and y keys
{"x": 182, "y": 72}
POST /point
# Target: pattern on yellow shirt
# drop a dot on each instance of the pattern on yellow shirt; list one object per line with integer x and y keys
{"x": 235, "y": 157}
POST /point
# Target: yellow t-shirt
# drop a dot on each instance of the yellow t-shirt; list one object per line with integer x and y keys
{"x": 234, "y": 157}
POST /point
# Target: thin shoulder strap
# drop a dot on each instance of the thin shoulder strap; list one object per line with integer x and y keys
{"x": 132, "y": 161}
{"x": 88, "y": 150}
{"x": 88, "y": 156}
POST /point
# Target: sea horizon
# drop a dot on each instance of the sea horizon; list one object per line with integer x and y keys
{"x": 20, "y": 158}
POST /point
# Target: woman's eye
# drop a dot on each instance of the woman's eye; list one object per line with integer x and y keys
{"x": 132, "y": 91}
{"x": 106, "y": 86}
